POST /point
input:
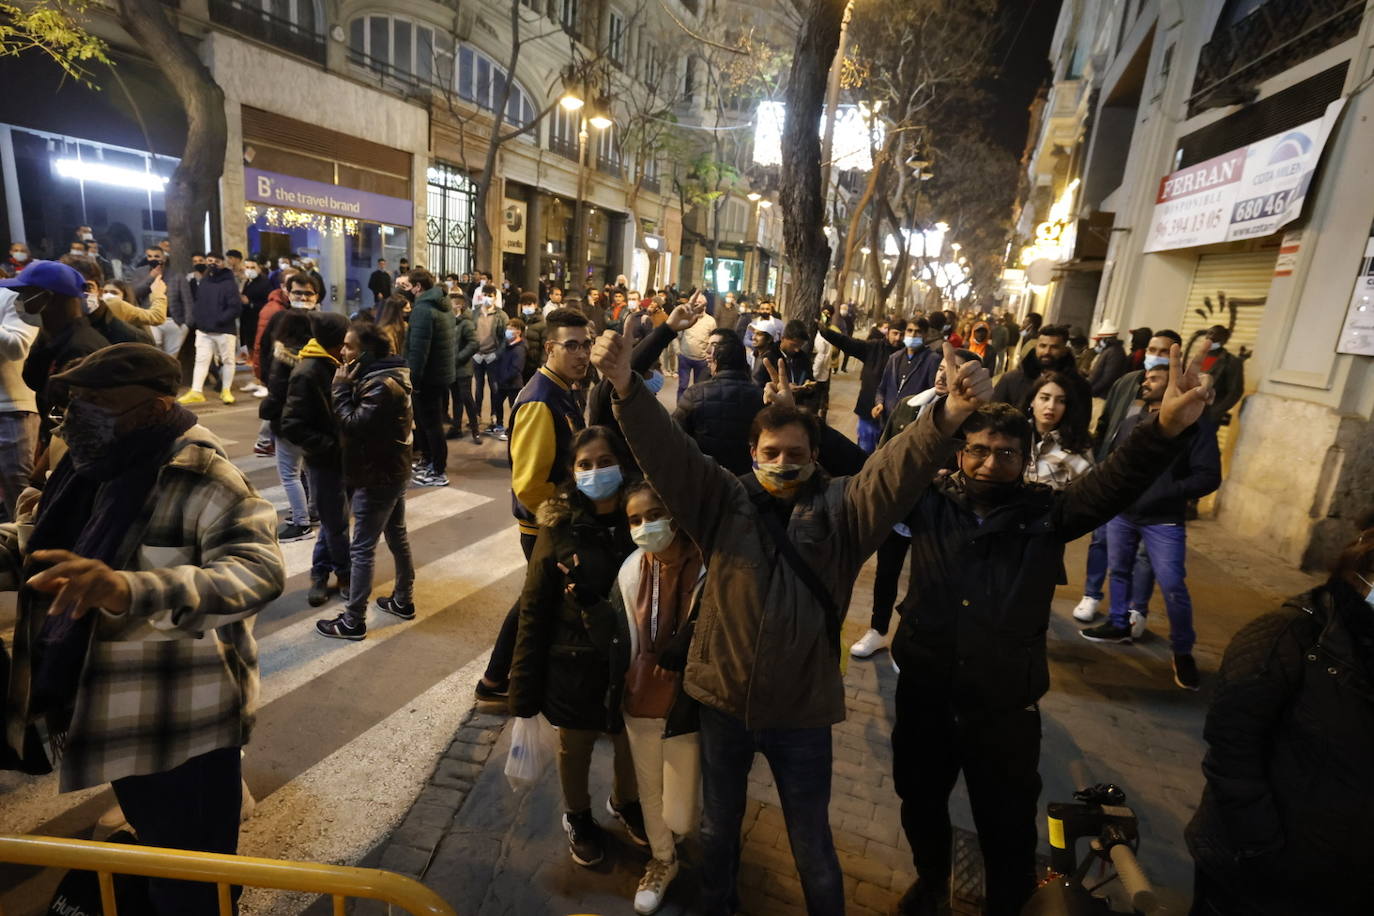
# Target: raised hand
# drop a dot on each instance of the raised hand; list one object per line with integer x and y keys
{"x": 687, "y": 314}
{"x": 79, "y": 585}
{"x": 1187, "y": 396}
{"x": 779, "y": 387}
{"x": 611, "y": 356}
{"x": 970, "y": 387}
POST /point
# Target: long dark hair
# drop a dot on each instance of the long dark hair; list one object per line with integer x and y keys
{"x": 1073, "y": 427}
{"x": 393, "y": 311}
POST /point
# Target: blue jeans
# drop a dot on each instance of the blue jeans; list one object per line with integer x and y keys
{"x": 1167, "y": 546}
{"x": 378, "y": 510}
{"x": 18, "y": 436}
{"x": 696, "y": 369}
{"x": 869, "y": 432}
{"x": 331, "y": 546}
{"x": 800, "y": 759}
{"x": 1142, "y": 577}
{"x": 289, "y": 460}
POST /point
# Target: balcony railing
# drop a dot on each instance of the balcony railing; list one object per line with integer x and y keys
{"x": 1278, "y": 35}
{"x": 563, "y": 146}
{"x": 392, "y": 78}
{"x": 607, "y": 166}
{"x": 652, "y": 185}
{"x": 255, "y": 22}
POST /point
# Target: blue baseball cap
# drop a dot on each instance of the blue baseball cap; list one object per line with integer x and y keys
{"x": 53, "y": 276}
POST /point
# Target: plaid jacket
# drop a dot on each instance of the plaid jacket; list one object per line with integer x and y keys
{"x": 177, "y": 675}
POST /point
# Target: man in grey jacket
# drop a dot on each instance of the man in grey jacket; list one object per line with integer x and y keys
{"x": 783, "y": 546}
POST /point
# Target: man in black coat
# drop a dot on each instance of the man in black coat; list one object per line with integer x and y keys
{"x": 987, "y": 552}
{"x": 874, "y": 353}
{"x": 718, "y": 412}
{"x": 379, "y": 283}
{"x": 1051, "y": 353}
{"x": 216, "y": 318}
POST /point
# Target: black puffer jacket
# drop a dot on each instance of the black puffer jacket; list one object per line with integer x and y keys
{"x": 375, "y": 419}
{"x": 717, "y": 413}
{"x": 284, "y": 359}
{"x": 1284, "y": 822}
{"x": 562, "y": 662}
{"x": 307, "y": 417}
{"x": 974, "y": 619}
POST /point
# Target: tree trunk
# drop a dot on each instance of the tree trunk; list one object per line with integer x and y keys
{"x": 803, "y": 196}
{"x": 191, "y": 189}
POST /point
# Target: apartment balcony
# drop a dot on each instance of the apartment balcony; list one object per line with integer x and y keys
{"x": 1061, "y": 121}
{"x": 563, "y": 146}
{"x": 1278, "y": 35}
{"x": 254, "y": 22}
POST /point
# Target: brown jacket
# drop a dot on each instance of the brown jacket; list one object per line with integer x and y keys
{"x": 762, "y": 650}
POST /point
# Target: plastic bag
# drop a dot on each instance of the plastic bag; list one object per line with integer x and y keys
{"x": 533, "y": 743}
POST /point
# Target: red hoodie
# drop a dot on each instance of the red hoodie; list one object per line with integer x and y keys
{"x": 277, "y": 301}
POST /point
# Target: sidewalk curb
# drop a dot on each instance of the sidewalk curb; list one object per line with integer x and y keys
{"x": 410, "y": 848}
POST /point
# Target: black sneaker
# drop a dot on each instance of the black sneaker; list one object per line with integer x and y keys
{"x": 319, "y": 592}
{"x": 340, "y": 628}
{"x": 476, "y": 436}
{"x": 586, "y": 842}
{"x": 1185, "y": 672}
{"x": 389, "y": 604}
{"x": 632, "y": 816}
{"x": 491, "y": 694}
{"x": 290, "y": 531}
{"x": 1107, "y": 632}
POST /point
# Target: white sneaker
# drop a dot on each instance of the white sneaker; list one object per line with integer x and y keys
{"x": 1137, "y": 624}
{"x": 260, "y": 391}
{"x": 654, "y": 885}
{"x": 868, "y": 643}
{"x": 1086, "y": 611}
{"x": 893, "y": 659}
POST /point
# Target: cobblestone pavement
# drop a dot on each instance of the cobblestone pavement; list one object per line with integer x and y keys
{"x": 1113, "y": 715}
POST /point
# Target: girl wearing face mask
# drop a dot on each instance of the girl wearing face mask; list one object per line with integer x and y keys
{"x": 1283, "y": 825}
{"x": 655, "y": 591}
{"x": 118, "y": 297}
{"x": 563, "y": 650}
{"x": 1061, "y": 449}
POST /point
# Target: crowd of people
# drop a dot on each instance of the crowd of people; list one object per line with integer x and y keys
{"x": 688, "y": 571}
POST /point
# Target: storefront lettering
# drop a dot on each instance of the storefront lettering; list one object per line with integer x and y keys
{"x": 302, "y": 194}
{"x": 327, "y": 202}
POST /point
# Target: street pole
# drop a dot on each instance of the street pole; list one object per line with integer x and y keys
{"x": 577, "y": 260}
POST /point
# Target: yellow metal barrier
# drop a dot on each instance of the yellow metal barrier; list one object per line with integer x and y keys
{"x": 107, "y": 859}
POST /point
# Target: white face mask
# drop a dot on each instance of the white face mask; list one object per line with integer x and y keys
{"x": 78, "y": 252}
{"x": 1214, "y": 345}
{"x": 87, "y": 237}
{"x": 251, "y": 274}
{"x": 655, "y": 536}
{"x": 110, "y": 297}
{"x": 20, "y": 256}
{"x": 92, "y": 303}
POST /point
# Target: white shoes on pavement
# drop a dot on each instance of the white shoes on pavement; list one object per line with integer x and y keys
{"x": 868, "y": 643}
{"x": 1137, "y": 624}
{"x": 1086, "y": 611}
{"x": 654, "y": 885}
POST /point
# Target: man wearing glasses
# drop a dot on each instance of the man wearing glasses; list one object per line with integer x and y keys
{"x": 987, "y": 551}
{"x": 542, "y": 422}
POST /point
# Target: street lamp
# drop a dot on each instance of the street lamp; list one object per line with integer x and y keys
{"x": 596, "y": 115}
{"x": 865, "y": 251}
{"x": 765, "y": 204}
{"x": 754, "y": 196}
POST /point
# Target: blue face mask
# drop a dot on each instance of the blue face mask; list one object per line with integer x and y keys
{"x": 913, "y": 342}
{"x": 1156, "y": 362}
{"x": 510, "y": 335}
{"x": 599, "y": 483}
{"x": 654, "y": 382}
{"x": 1369, "y": 598}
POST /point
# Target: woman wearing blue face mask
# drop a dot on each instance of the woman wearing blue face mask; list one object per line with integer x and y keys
{"x": 655, "y": 593}
{"x": 563, "y": 650}
{"x": 1283, "y": 825}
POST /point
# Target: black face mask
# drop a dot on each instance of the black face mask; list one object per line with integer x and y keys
{"x": 409, "y": 294}
{"x": 990, "y": 493}
{"x": 201, "y": 268}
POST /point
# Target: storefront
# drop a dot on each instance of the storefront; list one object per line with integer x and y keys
{"x": 313, "y": 193}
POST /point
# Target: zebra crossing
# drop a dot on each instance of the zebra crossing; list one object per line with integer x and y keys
{"x": 347, "y": 733}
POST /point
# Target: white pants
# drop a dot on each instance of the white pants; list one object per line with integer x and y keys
{"x": 170, "y": 336}
{"x": 669, "y": 777}
{"x": 208, "y": 345}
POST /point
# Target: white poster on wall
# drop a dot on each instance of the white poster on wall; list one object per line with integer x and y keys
{"x": 513, "y": 227}
{"x": 1247, "y": 193}
{"x": 1357, "y": 336}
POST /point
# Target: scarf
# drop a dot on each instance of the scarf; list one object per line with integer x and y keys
{"x": 90, "y": 514}
{"x": 313, "y": 348}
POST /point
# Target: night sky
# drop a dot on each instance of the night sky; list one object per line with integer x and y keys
{"x": 1027, "y": 28}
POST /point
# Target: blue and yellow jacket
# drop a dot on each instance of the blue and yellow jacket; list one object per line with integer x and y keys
{"x": 542, "y": 424}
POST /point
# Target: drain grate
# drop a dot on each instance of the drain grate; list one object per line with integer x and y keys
{"x": 968, "y": 885}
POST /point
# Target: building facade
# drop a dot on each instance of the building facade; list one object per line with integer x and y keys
{"x": 1208, "y": 163}
{"x": 358, "y": 129}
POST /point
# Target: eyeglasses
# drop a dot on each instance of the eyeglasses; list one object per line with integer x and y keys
{"x": 980, "y": 453}
{"x": 574, "y": 346}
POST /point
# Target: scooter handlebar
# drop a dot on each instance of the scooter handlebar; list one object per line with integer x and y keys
{"x": 1137, "y": 886}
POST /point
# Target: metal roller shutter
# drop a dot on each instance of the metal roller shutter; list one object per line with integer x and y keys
{"x": 1229, "y": 289}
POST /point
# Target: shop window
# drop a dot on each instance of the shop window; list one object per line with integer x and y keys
{"x": 395, "y": 47}
{"x": 481, "y": 80}
{"x": 449, "y": 225}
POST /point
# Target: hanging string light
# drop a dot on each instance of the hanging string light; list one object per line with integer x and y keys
{"x": 285, "y": 218}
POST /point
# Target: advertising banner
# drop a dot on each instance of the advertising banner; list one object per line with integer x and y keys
{"x": 1246, "y": 193}
{"x": 513, "y": 226}
{"x": 277, "y": 190}
{"x": 1357, "y": 336}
